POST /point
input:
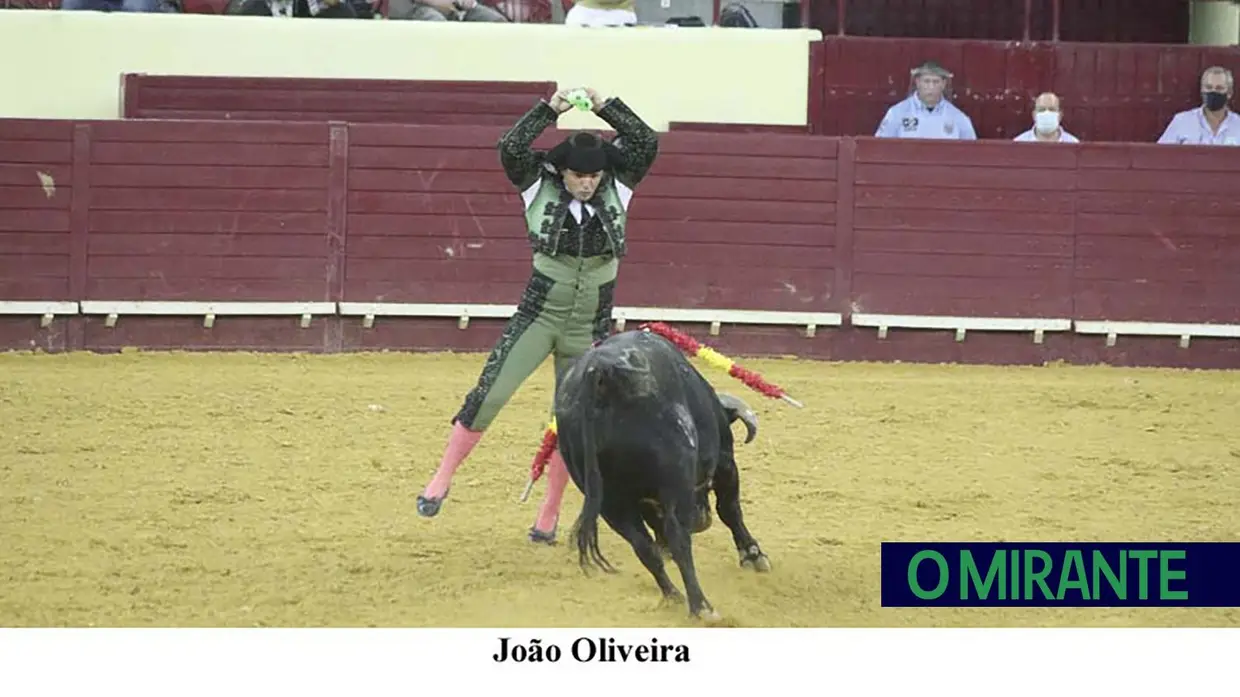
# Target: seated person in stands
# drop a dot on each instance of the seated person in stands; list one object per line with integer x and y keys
{"x": 443, "y": 10}
{"x": 327, "y": 9}
{"x": 926, "y": 112}
{"x": 118, "y": 5}
{"x": 1212, "y": 124}
{"x": 1047, "y": 122}
{"x": 602, "y": 13}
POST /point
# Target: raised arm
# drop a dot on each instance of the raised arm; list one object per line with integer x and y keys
{"x": 520, "y": 162}
{"x": 638, "y": 142}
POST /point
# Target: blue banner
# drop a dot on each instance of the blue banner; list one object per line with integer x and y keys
{"x": 1060, "y": 574}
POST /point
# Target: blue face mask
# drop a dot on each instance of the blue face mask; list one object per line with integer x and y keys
{"x": 1046, "y": 121}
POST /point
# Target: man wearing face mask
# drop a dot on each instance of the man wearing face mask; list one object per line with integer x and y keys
{"x": 1212, "y": 124}
{"x": 926, "y": 112}
{"x": 1047, "y": 122}
{"x": 576, "y": 198}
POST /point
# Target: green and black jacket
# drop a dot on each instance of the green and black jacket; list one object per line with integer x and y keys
{"x": 545, "y": 214}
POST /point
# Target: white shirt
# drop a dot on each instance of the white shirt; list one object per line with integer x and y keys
{"x": 910, "y": 118}
{"x": 1064, "y": 137}
{"x": 1190, "y": 128}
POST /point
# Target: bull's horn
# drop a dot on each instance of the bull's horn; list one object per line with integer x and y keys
{"x": 737, "y": 409}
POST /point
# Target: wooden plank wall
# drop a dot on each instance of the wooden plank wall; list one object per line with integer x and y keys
{"x": 1129, "y": 21}
{"x": 938, "y": 226}
{"x": 316, "y": 212}
{"x": 231, "y": 211}
{"x": 1156, "y": 228}
{"x": 328, "y": 99}
{"x": 36, "y": 201}
{"x": 1111, "y": 92}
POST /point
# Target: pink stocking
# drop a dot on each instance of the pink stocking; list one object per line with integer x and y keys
{"x": 557, "y": 480}
{"x": 460, "y": 442}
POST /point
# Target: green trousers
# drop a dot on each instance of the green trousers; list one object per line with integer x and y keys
{"x": 565, "y": 308}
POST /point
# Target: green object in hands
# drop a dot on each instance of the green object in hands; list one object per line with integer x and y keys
{"x": 580, "y": 99}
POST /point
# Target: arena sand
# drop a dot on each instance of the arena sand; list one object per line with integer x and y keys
{"x": 265, "y": 490}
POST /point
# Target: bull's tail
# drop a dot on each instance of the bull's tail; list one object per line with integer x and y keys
{"x": 585, "y": 530}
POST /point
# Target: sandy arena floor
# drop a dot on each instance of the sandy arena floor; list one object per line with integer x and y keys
{"x": 243, "y": 490}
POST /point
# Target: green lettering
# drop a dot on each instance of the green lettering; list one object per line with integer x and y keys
{"x": 1166, "y": 575}
{"x": 969, "y": 575}
{"x": 1143, "y": 573}
{"x": 1015, "y": 566}
{"x": 1038, "y": 577}
{"x": 1103, "y": 568}
{"x": 912, "y": 574}
{"x": 1073, "y": 561}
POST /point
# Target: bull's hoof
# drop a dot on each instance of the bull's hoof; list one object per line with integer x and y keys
{"x": 540, "y": 537}
{"x": 672, "y": 599}
{"x": 753, "y": 558}
{"x": 708, "y": 615}
{"x": 428, "y": 507}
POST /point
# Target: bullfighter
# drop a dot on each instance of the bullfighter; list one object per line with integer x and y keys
{"x": 576, "y": 198}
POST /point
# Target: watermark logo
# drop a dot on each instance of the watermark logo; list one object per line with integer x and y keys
{"x": 1066, "y": 574}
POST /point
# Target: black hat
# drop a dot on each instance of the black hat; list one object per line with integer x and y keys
{"x": 584, "y": 152}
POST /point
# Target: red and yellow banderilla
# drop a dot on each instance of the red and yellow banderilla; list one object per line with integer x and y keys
{"x": 693, "y": 349}
{"x": 540, "y": 459}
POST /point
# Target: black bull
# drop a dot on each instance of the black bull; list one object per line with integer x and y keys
{"x": 645, "y": 438}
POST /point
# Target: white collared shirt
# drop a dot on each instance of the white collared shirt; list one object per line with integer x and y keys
{"x": 1191, "y": 128}
{"x": 911, "y": 118}
{"x": 1064, "y": 137}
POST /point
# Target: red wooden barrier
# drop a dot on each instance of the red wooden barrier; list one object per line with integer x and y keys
{"x": 320, "y": 99}
{"x": 305, "y": 213}
{"x": 931, "y": 238}
{"x": 1129, "y": 21}
{"x": 36, "y": 210}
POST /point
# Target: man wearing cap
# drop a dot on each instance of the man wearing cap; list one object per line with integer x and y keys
{"x": 1212, "y": 123}
{"x": 576, "y": 198}
{"x": 926, "y": 113}
{"x": 1047, "y": 122}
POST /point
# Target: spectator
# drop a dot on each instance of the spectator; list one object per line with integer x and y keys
{"x": 118, "y": 5}
{"x": 443, "y": 10}
{"x": 1047, "y": 122}
{"x": 926, "y": 112}
{"x": 602, "y": 13}
{"x": 1213, "y": 123}
{"x": 327, "y": 9}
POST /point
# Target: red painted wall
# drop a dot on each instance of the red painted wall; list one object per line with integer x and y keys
{"x": 476, "y": 102}
{"x": 1111, "y": 92}
{"x": 244, "y": 211}
{"x": 1132, "y": 21}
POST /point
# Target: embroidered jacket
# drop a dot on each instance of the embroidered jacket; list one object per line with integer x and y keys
{"x": 547, "y": 202}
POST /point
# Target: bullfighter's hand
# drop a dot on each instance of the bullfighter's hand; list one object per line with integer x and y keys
{"x": 559, "y": 101}
{"x": 597, "y": 99}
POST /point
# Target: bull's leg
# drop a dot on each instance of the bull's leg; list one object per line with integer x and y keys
{"x": 678, "y": 519}
{"x": 702, "y": 522}
{"x": 728, "y": 506}
{"x": 653, "y": 516}
{"x": 629, "y": 526}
